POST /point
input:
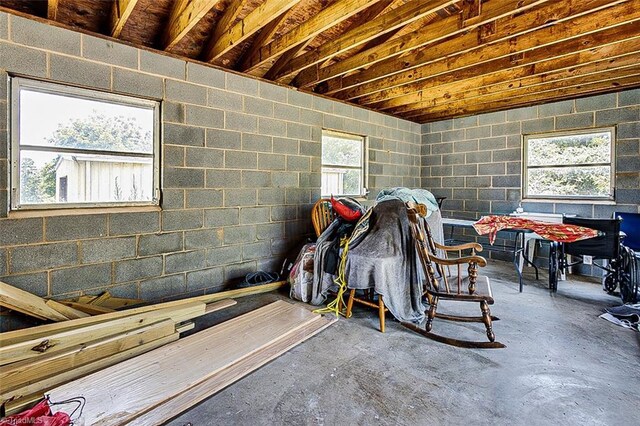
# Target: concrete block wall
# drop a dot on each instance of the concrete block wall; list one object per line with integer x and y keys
{"x": 240, "y": 172}
{"x": 476, "y": 161}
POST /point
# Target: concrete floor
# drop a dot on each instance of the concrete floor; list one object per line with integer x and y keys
{"x": 562, "y": 365}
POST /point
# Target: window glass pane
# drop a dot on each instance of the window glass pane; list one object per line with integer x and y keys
{"x": 340, "y": 151}
{"x": 575, "y": 149}
{"x": 84, "y": 178}
{"x": 339, "y": 181}
{"x": 570, "y": 181}
{"x": 55, "y": 120}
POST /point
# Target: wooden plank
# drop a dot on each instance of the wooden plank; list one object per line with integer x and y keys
{"x": 38, "y": 346}
{"x": 185, "y": 14}
{"x": 397, "y": 18}
{"x": 120, "y": 14}
{"x": 65, "y": 310}
{"x": 134, "y": 386}
{"x": 328, "y": 17}
{"x": 114, "y": 303}
{"x": 43, "y": 330}
{"x": 22, "y": 301}
{"x": 52, "y": 9}
{"x": 266, "y": 35}
{"x": 573, "y": 18}
{"x": 89, "y": 309}
{"x": 44, "y": 385}
{"x": 185, "y": 326}
{"x": 22, "y": 394}
{"x": 511, "y": 78}
{"x": 246, "y": 27}
{"x": 218, "y": 381}
{"x": 17, "y": 406}
{"x": 100, "y": 299}
{"x": 598, "y": 40}
{"x": 22, "y": 373}
{"x": 438, "y": 31}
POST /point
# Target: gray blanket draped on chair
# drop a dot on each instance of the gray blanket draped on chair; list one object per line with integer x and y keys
{"x": 385, "y": 260}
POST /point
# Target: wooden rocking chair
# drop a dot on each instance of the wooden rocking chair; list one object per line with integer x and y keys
{"x": 322, "y": 214}
{"x": 437, "y": 288}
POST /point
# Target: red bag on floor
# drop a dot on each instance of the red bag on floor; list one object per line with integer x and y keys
{"x": 40, "y": 415}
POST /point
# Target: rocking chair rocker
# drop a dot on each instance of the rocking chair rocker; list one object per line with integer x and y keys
{"x": 438, "y": 288}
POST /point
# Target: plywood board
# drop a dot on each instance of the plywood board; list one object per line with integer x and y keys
{"x": 39, "y": 346}
{"x": 176, "y": 405}
{"x": 131, "y": 387}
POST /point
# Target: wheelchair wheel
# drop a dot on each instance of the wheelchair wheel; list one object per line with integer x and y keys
{"x": 609, "y": 284}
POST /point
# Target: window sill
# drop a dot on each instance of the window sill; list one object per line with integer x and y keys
{"x": 21, "y": 214}
{"x": 569, "y": 201}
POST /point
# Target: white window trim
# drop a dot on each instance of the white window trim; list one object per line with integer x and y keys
{"x": 364, "y": 164}
{"x": 525, "y": 167}
{"x": 18, "y": 83}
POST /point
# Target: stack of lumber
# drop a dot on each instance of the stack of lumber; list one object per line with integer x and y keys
{"x": 157, "y": 386}
{"x": 38, "y": 359}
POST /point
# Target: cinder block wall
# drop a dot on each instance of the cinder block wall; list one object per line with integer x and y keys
{"x": 476, "y": 161}
{"x": 240, "y": 170}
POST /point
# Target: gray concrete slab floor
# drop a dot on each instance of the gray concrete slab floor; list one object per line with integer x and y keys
{"x": 562, "y": 365}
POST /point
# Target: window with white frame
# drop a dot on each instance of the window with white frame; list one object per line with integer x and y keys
{"x": 570, "y": 165}
{"x": 343, "y": 164}
{"x": 73, "y": 147}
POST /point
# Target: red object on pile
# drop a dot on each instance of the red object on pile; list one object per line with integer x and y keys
{"x": 40, "y": 415}
{"x": 559, "y": 232}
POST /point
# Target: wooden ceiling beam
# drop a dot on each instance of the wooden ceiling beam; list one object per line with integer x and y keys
{"x": 266, "y": 36}
{"x": 245, "y": 28}
{"x": 448, "y": 56}
{"x": 328, "y": 17}
{"x": 52, "y": 9}
{"x": 598, "y": 87}
{"x": 185, "y": 14}
{"x": 437, "y": 31}
{"x": 384, "y": 23}
{"x": 595, "y": 43}
{"x": 120, "y": 13}
{"x": 457, "y": 89}
{"x": 531, "y": 84}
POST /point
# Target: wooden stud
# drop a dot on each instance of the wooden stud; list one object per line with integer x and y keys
{"x": 89, "y": 309}
{"x": 27, "y": 303}
{"x": 65, "y": 310}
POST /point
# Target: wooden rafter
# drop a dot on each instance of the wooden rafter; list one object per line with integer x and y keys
{"x": 246, "y": 27}
{"x": 299, "y": 36}
{"x": 573, "y": 53}
{"x": 387, "y": 22}
{"x": 266, "y": 35}
{"x": 525, "y": 34}
{"x": 364, "y": 16}
{"x": 557, "y": 94}
{"x": 52, "y": 9}
{"x": 531, "y": 84}
{"x": 185, "y": 14}
{"x": 438, "y": 31}
{"x": 121, "y": 12}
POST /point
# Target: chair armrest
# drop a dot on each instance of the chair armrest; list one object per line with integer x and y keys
{"x": 465, "y": 246}
{"x": 481, "y": 261}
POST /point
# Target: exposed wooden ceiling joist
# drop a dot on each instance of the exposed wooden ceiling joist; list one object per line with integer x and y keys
{"x": 121, "y": 12}
{"x": 242, "y": 30}
{"x": 523, "y": 33}
{"x": 511, "y": 79}
{"x": 422, "y": 60}
{"x": 435, "y": 32}
{"x": 52, "y": 9}
{"x": 337, "y": 12}
{"x": 185, "y": 14}
{"x": 390, "y": 21}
